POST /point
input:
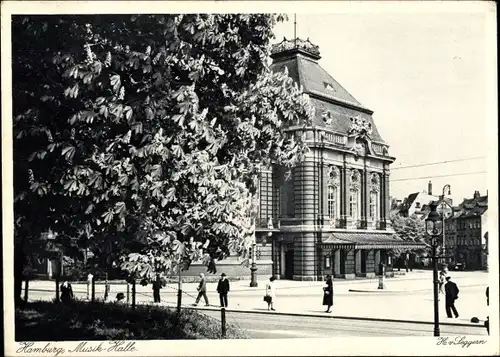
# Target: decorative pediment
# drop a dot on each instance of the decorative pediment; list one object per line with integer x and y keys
{"x": 374, "y": 183}
{"x": 360, "y": 126}
{"x": 355, "y": 182}
{"x": 333, "y": 176}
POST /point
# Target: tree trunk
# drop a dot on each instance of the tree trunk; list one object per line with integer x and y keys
{"x": 19, "y": 261}
{"x": 26, "y": 287}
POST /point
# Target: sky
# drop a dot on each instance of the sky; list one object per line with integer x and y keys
{"x": 425, "y": 76}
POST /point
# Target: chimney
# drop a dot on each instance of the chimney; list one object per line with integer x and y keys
{"x": 476, "y": 194}
{"x": 429, "y": 188}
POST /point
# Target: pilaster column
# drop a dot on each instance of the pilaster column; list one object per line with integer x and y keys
{"x": 357, "y": 260}
{"x": 377, "y": 260}
{"x": 321, "y": 263}
{"x": 344, "y": 185}
{"x": 387, "y": 203}
{"x": 336, "y": 262}
{"x": 384, "y": 186}
{"x": 366, "y": 197}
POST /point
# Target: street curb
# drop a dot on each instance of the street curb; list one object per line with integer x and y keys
{"x": 398, "y": 291}
{"x": 384, "y": 291}
{"x": 336, "y": 317}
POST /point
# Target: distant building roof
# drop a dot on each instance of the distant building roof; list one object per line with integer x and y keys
{"x": 471, "y": 207}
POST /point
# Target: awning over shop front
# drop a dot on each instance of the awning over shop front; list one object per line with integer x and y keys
{"x": 368, "y": 240}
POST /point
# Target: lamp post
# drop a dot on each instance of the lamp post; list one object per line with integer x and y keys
{"x": 434, "y": 228}
{"x": 444, "y": 217}
{"x": 253, "y": 268}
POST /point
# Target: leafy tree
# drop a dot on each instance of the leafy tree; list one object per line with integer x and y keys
{"x": 410, "y": 229}
{"x": 140, "y": 136}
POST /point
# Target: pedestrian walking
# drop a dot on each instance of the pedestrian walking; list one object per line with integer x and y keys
{"x": 202, "y": 290}
{"x": 270, "y": 296}
{"x": 328, "y": 293}
{"x": 156, "y": 289}
{"x": 66, "y": 292}
{"x": 451, "y": 294}
{"x": 442, "y": 280}
{"x": 223, "y": 289}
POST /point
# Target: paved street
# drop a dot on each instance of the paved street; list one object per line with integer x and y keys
{"x": 283, "y": 326}
{"x": 407, "y": 298}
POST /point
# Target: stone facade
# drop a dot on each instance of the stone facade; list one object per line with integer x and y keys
{"x": 332, "y": 214}
{"x": 466, "y": 233}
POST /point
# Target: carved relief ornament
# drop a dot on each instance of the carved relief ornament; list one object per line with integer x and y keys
{"x": 355, "y": 182}
{"x": 374, "y": 183}
{"x": 333, "y": 176}
{"x": 360, "y": 126}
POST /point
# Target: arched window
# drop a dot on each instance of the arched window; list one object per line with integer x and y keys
{"x": 333, "y": 193}
{"x": 374, "y": 199}
{"x": 355, "y": 195}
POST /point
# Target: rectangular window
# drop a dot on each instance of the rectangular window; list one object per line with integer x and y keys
{"x": 353, "y": 204}
{"x": 373, "y": 206}
{"x": 332, "y": 201}
{"x": 417, "y": 205}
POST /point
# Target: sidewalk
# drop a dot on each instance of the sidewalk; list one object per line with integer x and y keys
{"x": 407, "y": 298}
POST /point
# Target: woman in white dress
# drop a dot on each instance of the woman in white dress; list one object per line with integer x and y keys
{"x": 271, "y": 293}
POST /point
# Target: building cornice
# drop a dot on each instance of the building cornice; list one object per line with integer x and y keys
{"x": 334, "y": 100}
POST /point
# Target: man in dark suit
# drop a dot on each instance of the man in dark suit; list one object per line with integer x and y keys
{"x": 223, "y": 289}
{"x": 451, "y": 294}
{"x": 156, "y": 289}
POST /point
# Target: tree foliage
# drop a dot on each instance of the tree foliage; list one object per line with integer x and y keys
{"x": 141, "y": 136}
{"x": 410, "y": 229}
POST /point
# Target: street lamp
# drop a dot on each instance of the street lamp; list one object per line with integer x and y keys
{"x": 253, "y": 268}
{"x": 444, "y": 217}
{"x": 434, "y": 228}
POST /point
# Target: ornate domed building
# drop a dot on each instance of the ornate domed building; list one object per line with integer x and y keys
{"x": 332, "y": 215}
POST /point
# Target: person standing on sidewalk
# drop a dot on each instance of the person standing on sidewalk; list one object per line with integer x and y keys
{"x": 66, "y": 292}
{"x": 223, "y": 289}
{"x": 202, "y": 290}
{"x": 451, "y": 294}
{"x": 156, "y": 289}
{"x": 271, "y": 293}
{"x": 328, "y": 293}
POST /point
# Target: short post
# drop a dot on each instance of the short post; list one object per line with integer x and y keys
{"x": 57, "y": 288}
{"x": 90, "y": 277}
{"x": 381, "y": 276}
{"x": 93, "y": 288}
{"x": 223, "y": 321}
{"x": 128, "y": 293}
{"x": 106, "y": 288}
{"x": 133, "y": 294}
{"x": 26, "y": 286}
{"x": 179, "y": 295}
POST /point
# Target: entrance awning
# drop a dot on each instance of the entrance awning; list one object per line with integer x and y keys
{"x": 368, "y": 240}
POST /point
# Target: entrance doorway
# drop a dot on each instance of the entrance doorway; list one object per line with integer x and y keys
{"x": 363, "y": 261}
{"x": 343, "y": 255}
{"x": 289, "y": 264}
